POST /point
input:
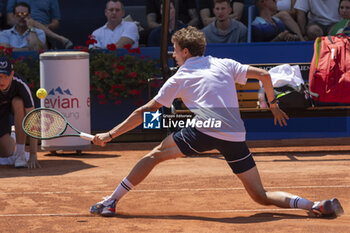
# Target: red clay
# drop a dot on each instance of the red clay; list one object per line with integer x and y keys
{"x": 192, "y": 194}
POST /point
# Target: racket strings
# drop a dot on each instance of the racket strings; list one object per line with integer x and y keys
{"x": 44, "y": 124}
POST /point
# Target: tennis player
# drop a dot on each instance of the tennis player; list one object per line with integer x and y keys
{"x": 16, "y": 99}
{"x": 207, "y": 87}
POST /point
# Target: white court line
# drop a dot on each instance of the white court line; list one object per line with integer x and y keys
{"x": 177, "y": 190}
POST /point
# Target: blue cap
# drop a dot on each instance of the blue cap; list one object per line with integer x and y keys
{"x": 6, "y": 66}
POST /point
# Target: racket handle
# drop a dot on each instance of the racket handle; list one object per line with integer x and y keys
{"x": 86, "y": 136}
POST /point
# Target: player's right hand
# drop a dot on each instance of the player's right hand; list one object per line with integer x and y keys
{"x": 279, "y": 115}
{"x": 101, "y": 139}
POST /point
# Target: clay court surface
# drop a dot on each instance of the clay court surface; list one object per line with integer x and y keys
{"x": 191, "y": 194}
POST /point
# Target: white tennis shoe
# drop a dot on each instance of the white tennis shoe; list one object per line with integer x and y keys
{"x": 20, "y": 159}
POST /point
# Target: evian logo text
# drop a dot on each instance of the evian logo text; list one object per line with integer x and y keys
{"x": 61, "y": 99}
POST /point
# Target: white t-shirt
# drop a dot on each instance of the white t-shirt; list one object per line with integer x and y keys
{"x": 206, "y": 85}
{"x": 324, "y": 12}
{"x": 284, "y": 5}
{"x": 106, "y": 36}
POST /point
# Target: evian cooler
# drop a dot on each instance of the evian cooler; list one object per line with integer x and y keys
{"x": 65, "y": 76}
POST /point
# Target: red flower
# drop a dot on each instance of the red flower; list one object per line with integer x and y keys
{"x": 20, "y": 58}
{"x": 101, "y": 96}
{"x": 134, "y": 92}
{"x": 137, "y": 50}
{"x": 133, "y": 74}
{"x": 111, "y": 47}
{"x": 102, "y": 101}
{"x": 117, "y": 102}
{"x": 99, "y": 90}
{"x": 120, "y": 67}
{"x": 127, "y": 46}
{"x": 81, "y": 48}
{"x": 91, "y": 40}
{"x": 31, "y": 85}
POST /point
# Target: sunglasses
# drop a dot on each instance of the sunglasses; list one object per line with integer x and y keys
{"x": 22, "y": 14}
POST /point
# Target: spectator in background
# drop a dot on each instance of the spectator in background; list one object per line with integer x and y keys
{"x": 224, "y": 29}
{"x": 23, "y": 36}
{"x": 342, "y": 26}
{"x": 155, "y": 37}
{"x": 116, "y": 30}
{"x": 287, "y": 5}
{"x": 45, "y": 16}
{"x": 267, "y": 27}
{"x": 316, "y": 17}
{"x": 187, "y": 14}
{"x": 2, "y": 14}
{"x": 287, "y": 13}
{"x": 207, "y": 14}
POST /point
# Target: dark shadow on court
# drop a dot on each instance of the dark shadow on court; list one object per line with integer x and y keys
{"x": 302, "y": 156}
{"x": 255, "y": 218}
{"x": 303, "y": 153}
{"x": 83, "y": 155}
{"x": 48, "y": 168}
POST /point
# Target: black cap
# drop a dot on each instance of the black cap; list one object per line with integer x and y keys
{"x": 6, "y": 66}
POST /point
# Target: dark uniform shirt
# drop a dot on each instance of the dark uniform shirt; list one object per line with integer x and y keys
{"x": 20, "y": 88}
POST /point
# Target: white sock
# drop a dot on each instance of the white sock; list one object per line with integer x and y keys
{"x": 20, "y": 147}
{"x": 300, "y": 203}
{"x": 124, "y": 187}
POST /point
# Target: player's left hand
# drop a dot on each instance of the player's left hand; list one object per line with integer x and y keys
{"x": 33, "y": 162}
{"x": 101, "y": 139}
{"x": 279, "y": 115}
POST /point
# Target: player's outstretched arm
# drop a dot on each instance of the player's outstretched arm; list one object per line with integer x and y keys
{"x": 265, "y": 78}
{"x": 134, "y": 120}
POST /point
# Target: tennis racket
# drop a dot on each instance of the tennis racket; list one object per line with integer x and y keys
{"x": 47, "y": 123}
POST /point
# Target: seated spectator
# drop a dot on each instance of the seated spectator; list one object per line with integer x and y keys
{"x": 224, "y": 29}
{"x": 155, "y": 37}
{"x": 23, "y": 36}
{"x": 116, "y": 30}
{"x": 287, "y": 13}
{"x": 287, "y": 5}
{"x": 316, "y": 17}
{"x": 267, "y": 27}
{"x": 207, "y": 15}
{"x": 2, "y": 14}
{"x": 187, "y": 14}
{"x": 344, "y": 25}
{"x": 45, "y": 16}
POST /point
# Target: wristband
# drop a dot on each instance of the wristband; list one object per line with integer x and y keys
{"x": 109, "y": 133}
{"x": 274, "y": 101}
